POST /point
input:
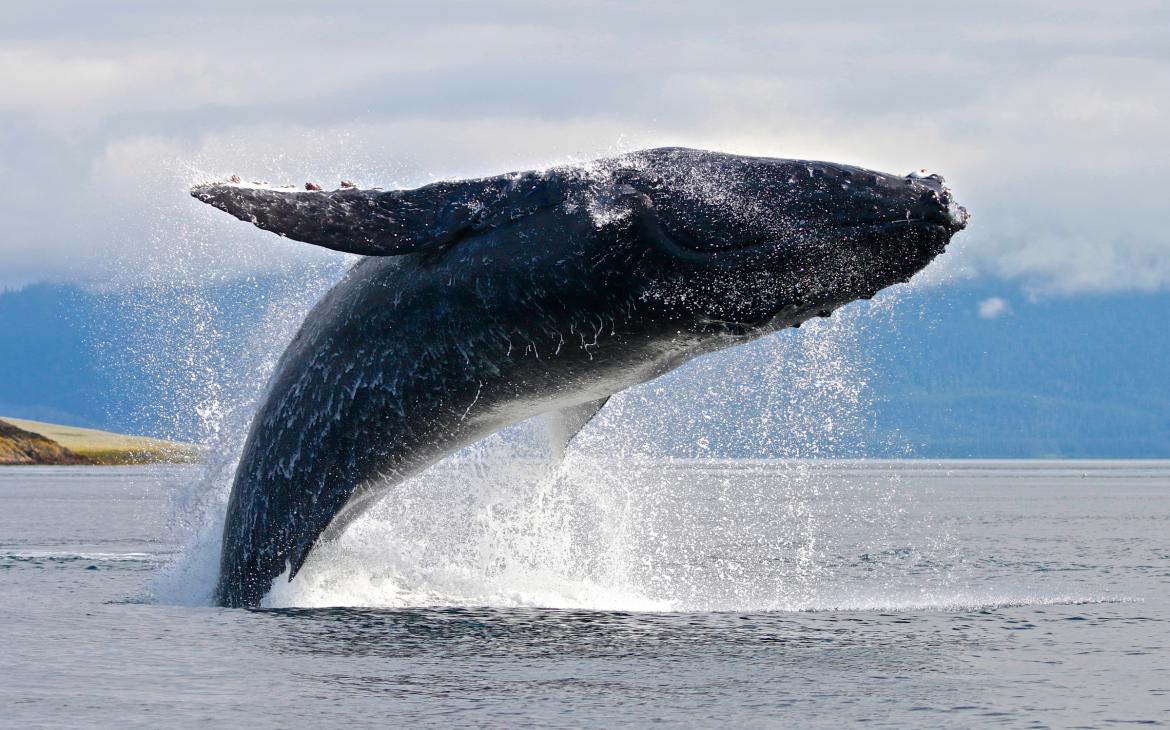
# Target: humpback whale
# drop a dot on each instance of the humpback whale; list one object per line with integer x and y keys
{"x": 480, "y": 303}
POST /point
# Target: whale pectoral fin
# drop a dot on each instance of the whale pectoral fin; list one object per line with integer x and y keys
{"x": 297, "y": 558}
{"x": 566, "y": 423}
{"x": 366, "y": 222}
{"x": 386, "y": 223}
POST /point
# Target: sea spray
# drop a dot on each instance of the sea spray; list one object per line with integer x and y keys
{"x": 211, "y": 316}
{"x": 614, "y": 526}
{"x": 508, "y": 522}
{"x": 225, "y": 402}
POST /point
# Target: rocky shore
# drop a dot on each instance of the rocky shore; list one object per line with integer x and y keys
{"x": 18, "y": 446}
{"x": 34, "y": 442}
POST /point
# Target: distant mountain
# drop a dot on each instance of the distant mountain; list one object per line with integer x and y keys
{"x": 971, "y": 370}
{"x": 106, "y": 360}
{"x": 1080, "y": 377}
{"x": 48, "y": 363}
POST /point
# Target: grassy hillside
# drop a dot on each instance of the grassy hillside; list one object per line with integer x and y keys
{"x": 20, "y": 447}
{"x": 103, "y": 447}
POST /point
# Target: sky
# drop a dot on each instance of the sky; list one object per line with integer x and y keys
{"x": 1048, "y": 119}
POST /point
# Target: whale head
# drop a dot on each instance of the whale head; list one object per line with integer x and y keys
{"x": 749, "y": 244}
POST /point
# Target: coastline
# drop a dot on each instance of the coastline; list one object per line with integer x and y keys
{"x": 38, "y": 443}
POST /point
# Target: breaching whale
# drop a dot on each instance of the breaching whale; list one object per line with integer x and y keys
{"x": 480, "y": 303}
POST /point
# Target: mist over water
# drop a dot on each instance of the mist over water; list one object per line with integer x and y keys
{"x": 225, "y": 396}
{"x": 182, "y": 330}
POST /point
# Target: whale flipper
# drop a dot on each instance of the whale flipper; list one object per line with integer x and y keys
{"x": 366, "y": 222}
{"x": 387, "y": 223}
{"x": 565, "y": 424}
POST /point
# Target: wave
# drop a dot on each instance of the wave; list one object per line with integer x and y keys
{"x": 46, "y": 557}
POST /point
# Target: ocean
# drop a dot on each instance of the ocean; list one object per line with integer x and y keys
{"x": 622, "y": 594}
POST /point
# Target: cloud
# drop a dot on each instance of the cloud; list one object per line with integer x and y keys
{"x": 1050, "y": 130}
{"x": 994, "y": 307}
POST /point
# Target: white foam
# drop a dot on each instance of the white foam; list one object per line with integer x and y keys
{"x": 492, "y": 526}
{"x": 96, "y": 557}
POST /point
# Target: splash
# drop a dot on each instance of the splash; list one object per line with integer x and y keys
{"x": 224, "y": 396}
{"x": 489, "y": 528}
{"x": 205, "y": 342}
{"x": 511, "y": 522}
{"x": 611, "y": 525}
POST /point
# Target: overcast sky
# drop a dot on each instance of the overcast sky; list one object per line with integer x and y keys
{"x": 1048, "y": 119}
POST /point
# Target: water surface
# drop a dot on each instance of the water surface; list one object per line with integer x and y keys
{"x": 894, "y": 594}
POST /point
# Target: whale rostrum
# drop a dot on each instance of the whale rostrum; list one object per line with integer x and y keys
{"x": 480, "y": 303}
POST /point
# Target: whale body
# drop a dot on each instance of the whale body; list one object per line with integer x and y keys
{"x": 481, "y": 303}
